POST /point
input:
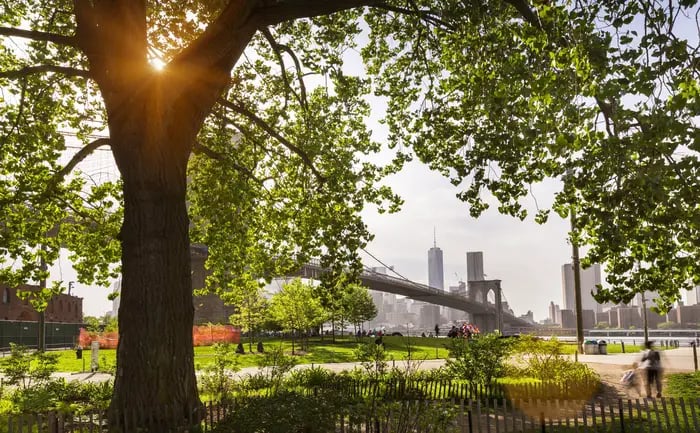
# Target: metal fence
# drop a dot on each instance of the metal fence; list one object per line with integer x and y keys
{"x": 420, "y": 416}
{"x": 27, "y": 333}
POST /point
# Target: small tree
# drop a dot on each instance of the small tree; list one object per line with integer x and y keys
{"x": 358, "y": 305}
{"x": 25, "y": 369}
{"x": 251, "y": 311}
{"x": 296, "y": 309}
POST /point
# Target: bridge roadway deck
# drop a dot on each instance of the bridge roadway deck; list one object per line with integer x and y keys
{"x": 420, "y": 292}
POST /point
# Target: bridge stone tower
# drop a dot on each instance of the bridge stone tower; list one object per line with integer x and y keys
{"x": 479, "y": 289}
{"x": 478, "y": 292}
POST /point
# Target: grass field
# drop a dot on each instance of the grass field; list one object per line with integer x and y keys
{"x": 320, "y": 352}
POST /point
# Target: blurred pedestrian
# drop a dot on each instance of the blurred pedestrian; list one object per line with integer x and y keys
{"x": 651, "y": 364}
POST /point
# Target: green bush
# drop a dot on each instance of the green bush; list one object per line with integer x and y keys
{"x": 216, "y": 380}
{"x": 310, "y": 377}
{"x": 25, "y": 369}
{"x": 274, "y": 365}
{"x": 74, "y": 397}
{"x": 284, "y": 412}
{"x": 254, "y": 382}
{"x": 373, "y": 358}
{"x": 480, "y": 359}
{"x": 544, "y": 361}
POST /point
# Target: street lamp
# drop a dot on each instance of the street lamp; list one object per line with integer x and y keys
{"x": 576, "y": 264}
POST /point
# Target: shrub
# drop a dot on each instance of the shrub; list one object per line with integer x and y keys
{"x": 216, "y": 380}
{"x": 373, "y": 358}
{"x": 310, "y": 377}
{"x": 74, "y": 397}
{"x": 274, "y": 365}
{"x": 26, "y": 369}
{"x": 544, "y": 360}
{"x": 480, "y": 359}
{"x": 283, "y": 412}
{"x": 254, "y": 382}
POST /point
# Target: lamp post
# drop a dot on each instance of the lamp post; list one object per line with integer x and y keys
{"x": 644, "y": 317}
{"x": 577, "y": 285}
{"x": 41, "y": 344}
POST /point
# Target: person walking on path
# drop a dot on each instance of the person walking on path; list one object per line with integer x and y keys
{"x": 651, "y": 364}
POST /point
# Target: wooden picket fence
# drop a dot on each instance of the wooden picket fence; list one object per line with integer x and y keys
{"x": 412, "y": 389}
{"x": 422, "y": 416}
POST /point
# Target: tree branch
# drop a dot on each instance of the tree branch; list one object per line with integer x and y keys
{"x": 294, "y": 9}
{"x": 270, "y": 130}
{"x": 429, "y": 16}
{"x": 201, "y": 149}
{"x": 278, "y": 48}
{"x": 39, "y": 36}
{"x": 78, "y": 157}
{"x": 40, "y": 69}
{"x": 526, "y": 11}
{"x": 275, "y": 47}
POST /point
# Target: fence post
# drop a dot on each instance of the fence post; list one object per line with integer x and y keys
{"x": 622, "y": 343}
{"x": 622, "y": 415}
{"x": 542, "y": 425}
{"x": 695, "y": 355}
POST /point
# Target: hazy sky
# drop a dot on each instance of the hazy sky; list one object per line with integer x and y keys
{"x": 527, "y": 257}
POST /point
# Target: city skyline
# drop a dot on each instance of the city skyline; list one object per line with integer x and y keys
{"x": 525, "y": 256}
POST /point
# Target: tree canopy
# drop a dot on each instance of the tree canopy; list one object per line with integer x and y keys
{"x": 604, "y": 93}
{"x": 258, "y": 121}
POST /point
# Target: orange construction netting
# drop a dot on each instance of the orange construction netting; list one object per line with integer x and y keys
{"x": 204, "y": 335}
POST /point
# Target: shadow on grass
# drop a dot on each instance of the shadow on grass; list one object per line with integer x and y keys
{"x": 323, "y": 355}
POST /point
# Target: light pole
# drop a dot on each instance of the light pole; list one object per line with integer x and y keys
{"x": 644, "y": 317}
{"x": 577, "y": 285}
{"x": 41, "y": 344}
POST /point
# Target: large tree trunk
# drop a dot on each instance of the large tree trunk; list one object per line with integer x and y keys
{"x": 155, "y": 383}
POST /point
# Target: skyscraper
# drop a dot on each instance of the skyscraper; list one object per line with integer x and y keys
{"x": 590, "y": 278}
{"x": 693, "y": 296}
{"x": 436, "y": 277}
{"x": 475, "y": 266}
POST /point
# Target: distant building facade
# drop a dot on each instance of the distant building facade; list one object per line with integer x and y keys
{"x": 475, "y": 266}
{"x": 62, "y": 308}
{"x": 554, "y": 313}
{"x": 693, "y": 297}
{"x": 590, "y": 278}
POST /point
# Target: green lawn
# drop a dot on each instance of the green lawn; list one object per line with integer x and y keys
{"x": 570, "y": 348}
{"x": 686, "y": 385}
{"x": 320, "y": 352}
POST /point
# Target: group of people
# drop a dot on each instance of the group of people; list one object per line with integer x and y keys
{"x": 648, "y": 371}
{"x": 466, "y": 330}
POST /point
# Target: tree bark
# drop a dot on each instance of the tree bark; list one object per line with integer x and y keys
{"x": 155, "y": 384}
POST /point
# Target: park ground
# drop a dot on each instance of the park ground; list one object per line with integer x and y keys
{"x": 339, "y": 356}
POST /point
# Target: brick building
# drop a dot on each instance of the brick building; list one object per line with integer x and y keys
{"x": 208, "y": 308}
{"x": 61, "y": 308}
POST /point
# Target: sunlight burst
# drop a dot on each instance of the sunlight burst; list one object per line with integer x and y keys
{"x": 157, "y": 64}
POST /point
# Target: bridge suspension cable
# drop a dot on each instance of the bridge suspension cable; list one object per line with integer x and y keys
{"x": 391, "y": 268}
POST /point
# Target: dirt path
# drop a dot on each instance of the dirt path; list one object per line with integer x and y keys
{"x": 610, "y": 375}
